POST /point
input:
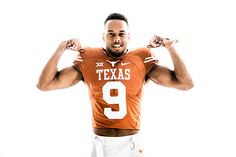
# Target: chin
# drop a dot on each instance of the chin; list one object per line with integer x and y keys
{"x": 116, "y": 53}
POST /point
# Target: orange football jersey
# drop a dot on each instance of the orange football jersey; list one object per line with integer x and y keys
{"x": 115, "y": 85}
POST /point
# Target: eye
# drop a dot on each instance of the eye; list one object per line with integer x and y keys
{"x": 111, "y": 34}
{"x": 122, "y": 34}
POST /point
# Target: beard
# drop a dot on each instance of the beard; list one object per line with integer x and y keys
{"x": 115, "y": 54}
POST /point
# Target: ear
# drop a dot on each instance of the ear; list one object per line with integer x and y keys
{"x": 103, "y": 37}
{"x": 128, "y": 36}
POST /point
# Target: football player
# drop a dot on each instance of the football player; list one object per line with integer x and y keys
{"x": 115, "y": 77}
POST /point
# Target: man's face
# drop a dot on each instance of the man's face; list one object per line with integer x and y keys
{"x": 116, "y": 37}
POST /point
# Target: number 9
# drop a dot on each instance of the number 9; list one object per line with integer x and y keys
{"x": 119, "y": 99}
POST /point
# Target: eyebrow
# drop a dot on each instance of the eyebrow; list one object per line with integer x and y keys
{"x": 119, "y": 31}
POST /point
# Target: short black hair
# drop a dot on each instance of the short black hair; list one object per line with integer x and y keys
{"x": 116, "y": 16}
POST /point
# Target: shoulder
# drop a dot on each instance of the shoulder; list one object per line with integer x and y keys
{"x": 88, "y": 52}
{"x": 143, "y": 53}
{"x": 87, "y": 55}
{"x": 140, "y": 51}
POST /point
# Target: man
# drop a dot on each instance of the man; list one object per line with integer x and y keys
{"x": 115, "y": 77}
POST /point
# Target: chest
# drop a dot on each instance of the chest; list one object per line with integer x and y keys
{"x": 128, "y": 71}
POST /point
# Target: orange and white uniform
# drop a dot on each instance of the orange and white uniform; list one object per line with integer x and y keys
{"x": 115, "y": 85}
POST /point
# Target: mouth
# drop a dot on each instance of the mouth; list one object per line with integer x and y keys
{"x": 116, "y": 46}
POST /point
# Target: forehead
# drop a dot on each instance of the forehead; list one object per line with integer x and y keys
{"x": 116, "y": 25}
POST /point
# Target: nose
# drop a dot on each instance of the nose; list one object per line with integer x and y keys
{"x": 116, "y": 39}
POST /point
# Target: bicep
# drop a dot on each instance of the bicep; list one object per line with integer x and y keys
{"x": 66, "y": 78}
{"x": 163, "y": 76}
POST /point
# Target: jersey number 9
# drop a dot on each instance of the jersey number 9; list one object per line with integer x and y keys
{"x": 119, "y": 99}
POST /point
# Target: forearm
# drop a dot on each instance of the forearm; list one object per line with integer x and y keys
{"x": 181, "y": 73}
{"x": 50, "y": 70}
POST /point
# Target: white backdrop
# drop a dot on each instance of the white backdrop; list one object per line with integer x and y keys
{"x": 199, "y": 122}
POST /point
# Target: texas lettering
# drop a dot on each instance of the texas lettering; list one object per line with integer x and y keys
{"x": 113, "y": 74}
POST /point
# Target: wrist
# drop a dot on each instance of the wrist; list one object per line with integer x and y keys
{"x": 169, "y": 45}
{"x": 60, "y": 50}
{"x": 170, "y": 48}
{"x": 62, "y": 47}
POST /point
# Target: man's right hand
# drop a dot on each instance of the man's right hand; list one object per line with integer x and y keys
{"x": 71, "y": 44}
